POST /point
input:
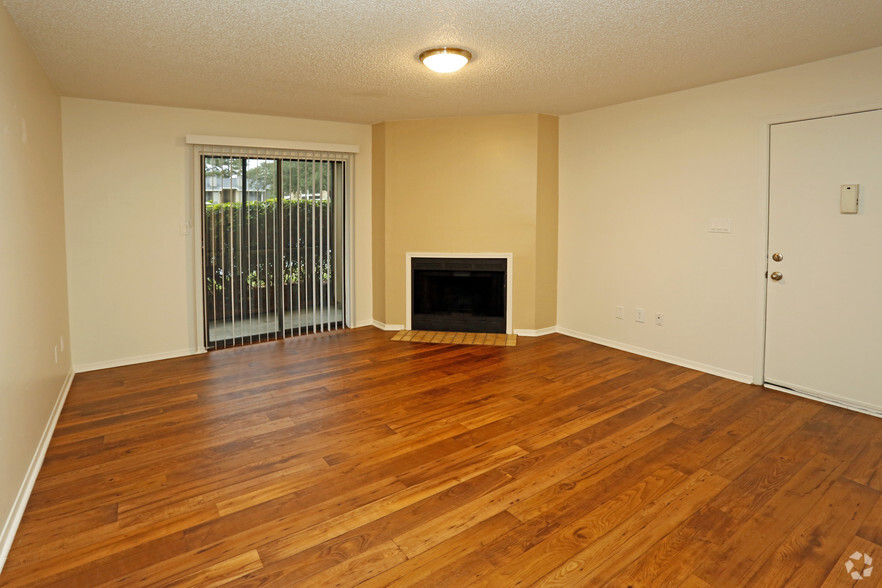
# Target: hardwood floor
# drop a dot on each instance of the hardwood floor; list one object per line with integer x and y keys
{"x": 346, "y": 459}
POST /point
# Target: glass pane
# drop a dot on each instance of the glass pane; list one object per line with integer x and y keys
{"x": 259, "y": 247}
{"x": 273, "y": 248}
{"x": 239, "y": 237}
{"x": 308, "y": 222}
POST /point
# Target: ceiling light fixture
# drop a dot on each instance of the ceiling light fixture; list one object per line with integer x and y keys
{"x": 445, "y": 59}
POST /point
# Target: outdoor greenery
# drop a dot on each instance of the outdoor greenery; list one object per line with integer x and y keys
{"x": 240, "y": 241}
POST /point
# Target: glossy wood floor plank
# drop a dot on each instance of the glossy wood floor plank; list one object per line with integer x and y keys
{"x": 349, "y": 459}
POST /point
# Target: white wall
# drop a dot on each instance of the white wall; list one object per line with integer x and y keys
{"x": 639, "y": 183}
{"x": 33, "y": 281}
{"x": 128, "y": 181}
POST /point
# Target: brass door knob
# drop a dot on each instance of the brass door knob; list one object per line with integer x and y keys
{"x": 777, "y": 256}
{"x": 776, "y": 276}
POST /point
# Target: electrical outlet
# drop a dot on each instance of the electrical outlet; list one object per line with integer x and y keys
{"x": 620, "y": 312}
{"x": 640, "y": 315}
{"x": 720, "y": 225}
{"x": 660, "y": 319}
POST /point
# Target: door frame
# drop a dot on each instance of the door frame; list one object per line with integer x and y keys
{"x": 192, "y": 226}
{"x": 762, "y": 256}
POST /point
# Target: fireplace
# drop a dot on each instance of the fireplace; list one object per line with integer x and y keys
{"x": 459, "y": 294}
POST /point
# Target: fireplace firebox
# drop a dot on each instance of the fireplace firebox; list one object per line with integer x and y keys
{"x": 458, "y": 294}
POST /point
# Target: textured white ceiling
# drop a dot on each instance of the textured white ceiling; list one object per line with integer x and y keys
{"x": 356, "y": 60}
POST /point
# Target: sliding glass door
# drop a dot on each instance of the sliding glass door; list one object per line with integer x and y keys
{"x": 273, "y": 247}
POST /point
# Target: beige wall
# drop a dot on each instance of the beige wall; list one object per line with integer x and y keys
{"x": 128, "y": 187}
{"x": 547, "y": 175}
{"x": 33, "y": 280}
{"x": 378, "y": 221}
{"x": 639, "y": 183}
{"x": 470, "y": 185}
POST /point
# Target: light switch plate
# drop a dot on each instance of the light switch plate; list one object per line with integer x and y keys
{"x": 849, "y": 197}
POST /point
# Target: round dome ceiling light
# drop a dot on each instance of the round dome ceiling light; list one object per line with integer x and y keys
{"x": 445, "y": 59}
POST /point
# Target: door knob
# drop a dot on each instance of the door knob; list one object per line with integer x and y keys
{"x": 777, "y": 256}
{"x": 776, "y": 276}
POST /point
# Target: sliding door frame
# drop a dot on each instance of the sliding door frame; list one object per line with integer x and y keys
{"x": 211, "y": 146}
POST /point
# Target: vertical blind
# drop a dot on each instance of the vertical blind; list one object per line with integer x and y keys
{"x": 273, "y": 242}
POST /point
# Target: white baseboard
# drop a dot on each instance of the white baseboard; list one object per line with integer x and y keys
{"x": 385, "y": 327}
{"x": 687, "y": 363}
{"x": 363, "y": 323}
{"x": 24, "y": 492}
{"x": 839, "y": 401}
{"x": 101, "y": 365}
{"x": 536, "y": 332}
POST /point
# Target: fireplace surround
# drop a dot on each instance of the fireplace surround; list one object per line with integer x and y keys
{"x": 459, "y": 292}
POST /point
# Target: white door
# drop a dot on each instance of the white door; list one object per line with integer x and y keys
{"x": 824, "y": 314}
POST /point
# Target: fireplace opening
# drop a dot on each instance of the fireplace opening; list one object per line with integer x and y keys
{"x": 458, "y": 294}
